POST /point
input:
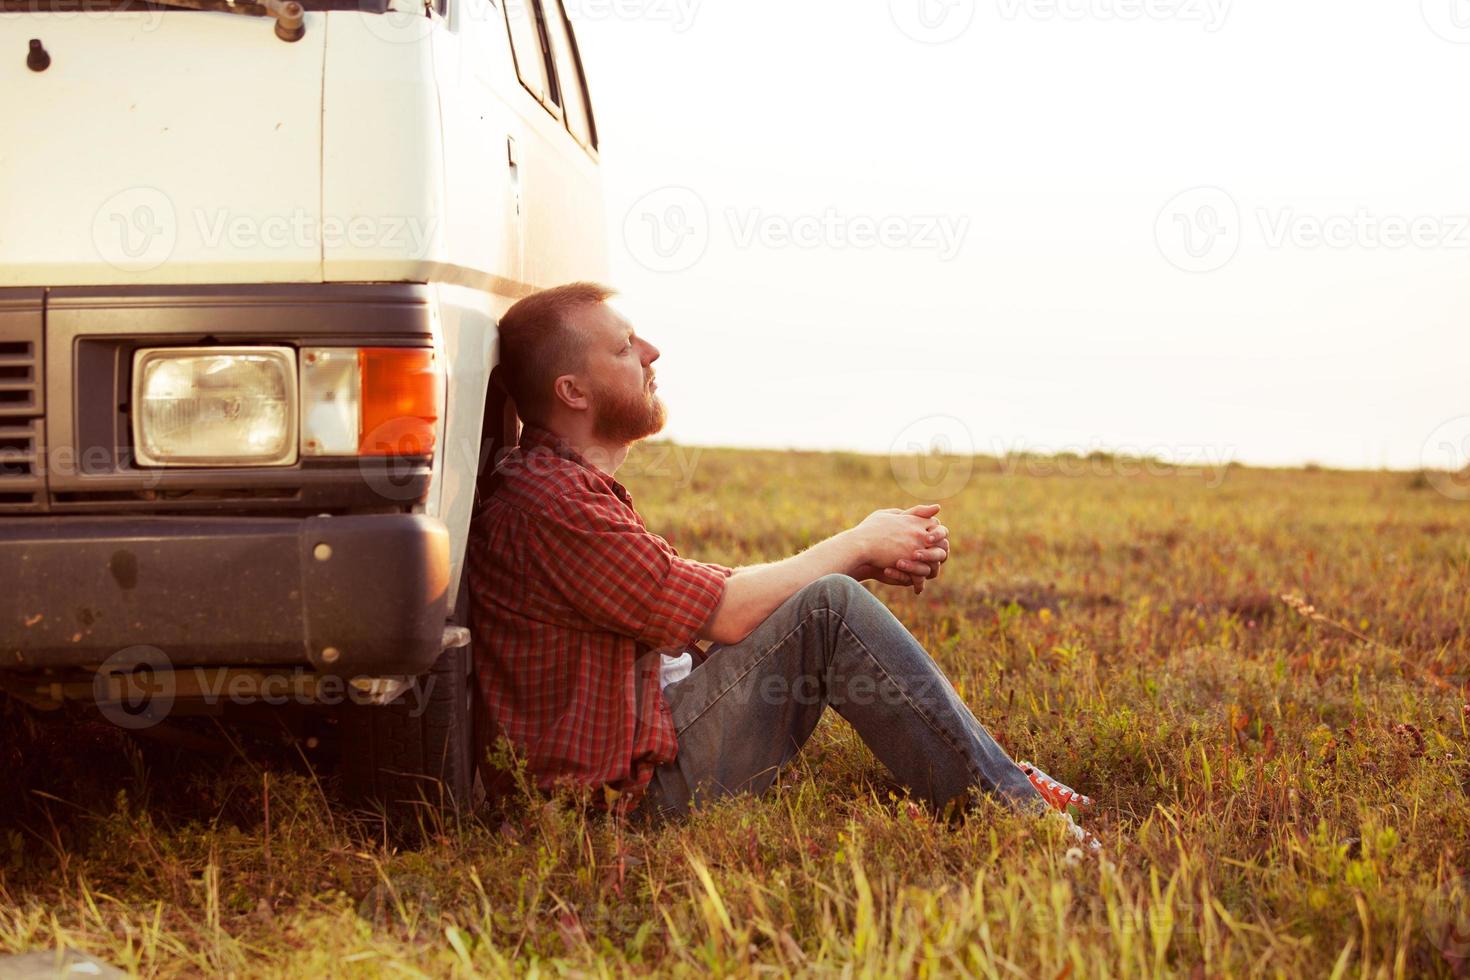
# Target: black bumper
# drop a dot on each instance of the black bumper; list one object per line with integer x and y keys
{"x": 345, "y": 595}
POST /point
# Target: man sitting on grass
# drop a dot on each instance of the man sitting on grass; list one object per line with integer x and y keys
{"x": 585, "y": 621}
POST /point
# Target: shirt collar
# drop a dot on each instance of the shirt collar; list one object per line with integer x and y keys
{"x": 533, "y": 435}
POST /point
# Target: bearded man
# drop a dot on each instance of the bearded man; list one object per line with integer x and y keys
{"x": 586, "y": 624}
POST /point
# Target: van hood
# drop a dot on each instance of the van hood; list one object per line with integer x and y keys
{"x": 160, "y": 146}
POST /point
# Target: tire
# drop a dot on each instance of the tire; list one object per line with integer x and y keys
{"x": 417, "y": 751}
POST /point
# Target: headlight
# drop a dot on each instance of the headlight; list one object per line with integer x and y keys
{"x": 214, "y": 406}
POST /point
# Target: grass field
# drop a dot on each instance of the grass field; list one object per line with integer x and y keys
{"x": 1282, "y": 792}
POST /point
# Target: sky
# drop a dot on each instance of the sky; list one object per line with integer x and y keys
{"x": 1194, "y": 229}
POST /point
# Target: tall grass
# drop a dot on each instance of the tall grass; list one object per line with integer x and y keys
{"x": 1282, "y": 785}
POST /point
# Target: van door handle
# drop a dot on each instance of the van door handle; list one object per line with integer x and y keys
{"x": 515, "y": 171}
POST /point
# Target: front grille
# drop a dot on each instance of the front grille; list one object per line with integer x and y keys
{"x": 22, "y": 426}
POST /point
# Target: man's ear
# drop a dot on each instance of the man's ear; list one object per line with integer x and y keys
{"x": 568, "y": 390}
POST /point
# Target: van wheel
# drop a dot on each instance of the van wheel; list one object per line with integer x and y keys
{"x": 416, "y": 751}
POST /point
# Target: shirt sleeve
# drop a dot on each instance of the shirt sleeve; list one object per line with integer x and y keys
{"x": 623, "y": 578}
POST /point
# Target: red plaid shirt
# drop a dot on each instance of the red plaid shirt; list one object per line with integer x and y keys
{"x": 573, "y": 600}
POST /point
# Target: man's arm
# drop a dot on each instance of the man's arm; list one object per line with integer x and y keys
{"x": 887, "y": 539}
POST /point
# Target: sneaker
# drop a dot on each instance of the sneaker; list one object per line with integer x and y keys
{"x": 1059, "y": 795}
{"x": 1084, "y": 839}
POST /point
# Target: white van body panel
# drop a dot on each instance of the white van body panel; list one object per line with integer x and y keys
{"x": 467, "y": 320}
{"x": 382, "y": 160}
{"x": 159, "y": 147}
{"x": 194, "y": 147}
{"x": 549, "y": 205}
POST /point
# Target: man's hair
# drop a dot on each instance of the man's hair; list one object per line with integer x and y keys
{"x": 538, "y": 345}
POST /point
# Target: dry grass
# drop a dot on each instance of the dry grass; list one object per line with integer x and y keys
{"x": 1283, "y": 788}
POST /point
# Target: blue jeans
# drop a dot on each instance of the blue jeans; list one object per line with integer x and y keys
{"x": 748, "y": 708}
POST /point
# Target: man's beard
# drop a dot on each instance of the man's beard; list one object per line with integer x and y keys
{"x": 626, "y": 418}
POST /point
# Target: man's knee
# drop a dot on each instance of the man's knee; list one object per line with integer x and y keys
{"x": 836, "y": 591}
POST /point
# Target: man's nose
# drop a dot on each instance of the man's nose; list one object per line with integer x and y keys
{"x": 650, "y": 354}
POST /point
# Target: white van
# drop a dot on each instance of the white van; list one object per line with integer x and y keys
{"x": 251, "y": 263}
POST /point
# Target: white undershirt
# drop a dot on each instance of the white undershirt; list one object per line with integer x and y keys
{"x": 674, "y": 668}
